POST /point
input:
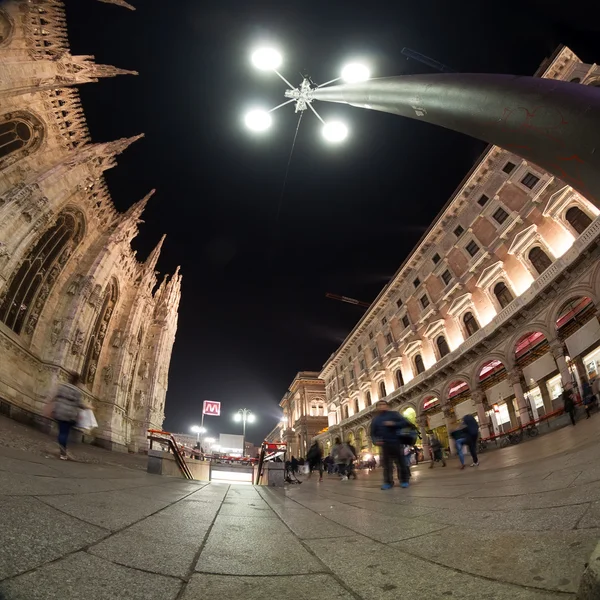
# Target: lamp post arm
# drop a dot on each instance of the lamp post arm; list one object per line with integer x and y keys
{"x": 554, "y": 124}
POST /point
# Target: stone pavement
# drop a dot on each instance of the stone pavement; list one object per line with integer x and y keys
{"x": 521, "y": 526}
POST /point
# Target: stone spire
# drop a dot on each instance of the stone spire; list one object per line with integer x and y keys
{"x": 75, "y": 70}
{"x": 102, "y": 152}
{"x": 152, "y": 259}
{"x": 119, "y": 3}
{"x": 126, "y": 227}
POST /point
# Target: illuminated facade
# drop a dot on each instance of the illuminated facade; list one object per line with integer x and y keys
{"x": 304, "y": 411}
{"x": 73, "y": 296}
{"x": 493, "y": 312}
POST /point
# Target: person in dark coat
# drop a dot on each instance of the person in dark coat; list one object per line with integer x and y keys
{"x": 467, "y": 435}
{"x": 314, "y": 457}
{"x": 569, "y": 404}
{"x": 67, "y": 403}
{"x": 387, "y": 427}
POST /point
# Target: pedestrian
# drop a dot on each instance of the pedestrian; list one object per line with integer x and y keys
{"x": 66, "y": 405}
{"x": 569, "y": 404}
{"x": 408, "y": 458}
{"x": 351, "y": 470}
{"x": 390, "y": 430}
{"x": 437, "y": 452}
{"x": 294, "y": 465}
{"x": 314, "y": 457}
{"x": 467, "y": 435}
{"x": 587, "y": 398}
{"x": 596, "y": 388}
{"x": 342, "y": 455}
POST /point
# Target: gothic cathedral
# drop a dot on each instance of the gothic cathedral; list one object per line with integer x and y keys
{"x": 73, "y": 296}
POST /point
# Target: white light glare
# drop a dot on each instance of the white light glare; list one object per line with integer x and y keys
{"x": 258, "y": 120}
{"x": 251, "y": 418}
{"x": 335, "y": 131}
{"x": 237, "y": 417}
{"x": 266, "y": 59}
{"x": 355, "y": 72}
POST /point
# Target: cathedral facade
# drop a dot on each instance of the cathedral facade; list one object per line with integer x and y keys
{"x": 73, "y": 296}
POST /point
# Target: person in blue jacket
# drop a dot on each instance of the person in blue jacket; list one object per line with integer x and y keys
{"x": 387, "y": 428}
{"x": 468, "y": 437}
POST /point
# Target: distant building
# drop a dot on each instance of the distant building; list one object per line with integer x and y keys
{"x": 304, "y": 410}
{"x": 492, "y": 314}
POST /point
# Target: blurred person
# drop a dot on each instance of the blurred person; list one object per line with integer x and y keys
{"x": 569, "y": 403}
{"x": 437, "y": 451}
{"x": 342, "y": 455}
{"x": 467, "y": 435}
{"x": 314, "y": 457}
{"x": 351, "y": 470}
{"x": 66, "y": 404}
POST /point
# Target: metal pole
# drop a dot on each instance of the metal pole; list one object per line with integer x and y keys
{"x": 243, "y": 432}
{"x": 554, "y": 124}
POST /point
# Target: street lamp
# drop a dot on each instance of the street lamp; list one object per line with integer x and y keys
{"x": 198, "y": 430}
{"x": 244, "y": 415}
{"x": 269, "y": 59}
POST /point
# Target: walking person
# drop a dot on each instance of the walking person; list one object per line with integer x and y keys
{"x": 342, "y": 455}
{"x": 569, "y": 404}
{"x": 437, "y": 451}
{"x": 66, "y": 405}
{"x": 351, "y": 470}
{"x": 389, "y": 430}
{"x": 314, "y": 457}
{"x": 467, "y": 435}
{"x": 588, "y": 398}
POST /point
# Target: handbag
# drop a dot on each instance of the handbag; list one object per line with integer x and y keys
{"x": 86, "y": 420}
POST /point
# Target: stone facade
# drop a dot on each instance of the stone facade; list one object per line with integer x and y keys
{"x": 304, "y": 411}
{"x": 492, "y": 314}
{"x": 73, "y": 296}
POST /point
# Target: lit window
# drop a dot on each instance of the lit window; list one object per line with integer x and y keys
{"x": 509, "y": 168}
{"x": 459, "y": 231}
{"x": 500, "y": 215}
{"x": 446, "y": 277}
{"x": 530, "y": 180}
{"x": 472, "y": 248}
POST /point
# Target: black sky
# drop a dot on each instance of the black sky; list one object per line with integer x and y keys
{"x": 253, "y": 310}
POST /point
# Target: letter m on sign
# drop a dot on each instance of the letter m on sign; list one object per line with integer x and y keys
{"x": 212, "y": 408}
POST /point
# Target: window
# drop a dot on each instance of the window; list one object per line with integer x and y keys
{"x": 363, "y": 366}
{"x": 575, "y": 80}
{"x": 502, "y": 294}
{"x": 20, "y": 132}
{"x": 368, "y": 398}
{"x": 345, "y": 412}
{"x": 424, "y": 301}
{"x": 351, "y": 371}
{"x": 420, "y": 366}
{"x": 382, "y": 392}
{"x": 99, "y": 331}
{"x": 436, "y": 258}
{"x": 459, "y": 231}
{"x": 417, "y": 282}
{"x": 370, "y": 335}
{"x": 483, "y": 200}
{"x": 530, "y": 180}
{"x": 32, "y": 283}
{"x": 509, "y": 168}
{"x": 399, "y": 303}
{"x": 389, "y": 339}
{"x": 539, "y": 259}
{"x": 405, "y": 321}
{"x": 384, "y": 321}
{"x": 442, "y": 346}
{"x": 360, "y": 347}
{"x": 500, "y": 215}
{"x": 578, "y": 220}
{"x": 471, "y": 324}
{"x": 375, "y": 352}
{"x": 399, "y": 378}
{"x": 472, "y": 248}
{"x": 5, "y": 27}
{"x": 355, "y": 406}
{"x": 446, "y": 277}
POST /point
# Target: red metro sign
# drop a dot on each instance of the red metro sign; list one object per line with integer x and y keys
{"x": 211, "y": 408}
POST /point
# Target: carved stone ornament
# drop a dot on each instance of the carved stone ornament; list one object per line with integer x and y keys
{"x": 77, "y": 345}
{"x": 144, "y": 370}
{"x": 57, "y": 326}
{"x": 107, "y": 374}
{"x": 32, "y": 322}
{"x": 75, "y": 286}
{"x": 92, "y": 372}
{"x": 117, "y": 339}
{"x": 94, "y": 298}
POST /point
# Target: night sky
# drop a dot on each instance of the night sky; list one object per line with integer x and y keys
{"x": 253, "y": 309}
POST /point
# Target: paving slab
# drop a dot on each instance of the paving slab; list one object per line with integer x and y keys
{"x": 299, "y": 587}
{"x": 254, "y": 546}
{"x": 33, "y": 533}
{"x": 308, "y": 525}
{"x": 84, "y": 576}
{"x": 537, "y": 561}
{"x": 375, "y": 571}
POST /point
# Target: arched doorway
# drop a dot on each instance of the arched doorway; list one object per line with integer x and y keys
{"x": 458, "y": 395}
{"x": 431, "y": 408}
{"x": 350, "y": 439}
{"x": 493, "y": 380}
{"x": 410, "y": 414}
{"x": 363, "y": 445}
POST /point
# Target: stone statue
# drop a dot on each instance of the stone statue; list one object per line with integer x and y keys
{"x": 92, "y": 372}
{"x": 32, "y": 322}
{"x": 108, "y": 313}
{"x": 75, "y": 285}
{"x": 117, "y": 339}
{"x": 107, "y": 374}
{"x": 77, "y": 344}
{"x": 97, "y": 348}
{"x": 145, "y": 370}
{"x": 57, "y": 326}
{"x": 95, "y": 296}
{"x": 102, "y": 332}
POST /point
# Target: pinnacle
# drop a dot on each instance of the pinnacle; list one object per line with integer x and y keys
{"x": 153, "y": 257}
{"x": 119, "y": 3}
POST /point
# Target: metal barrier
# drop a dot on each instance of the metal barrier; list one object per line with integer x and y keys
{"x": 164, "y": 437}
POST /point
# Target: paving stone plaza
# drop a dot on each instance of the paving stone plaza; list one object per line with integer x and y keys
{"x": 521, "y": 526}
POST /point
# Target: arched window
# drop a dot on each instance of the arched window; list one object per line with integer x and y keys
{"x": 382, "y": 392}
{"x": 442, "y": 346}
{"x": 356, "y": 407}
{"x": 471, "y": 324}
{"x": 345, "y": 411}
{"x": 539, "y": 259}
{"x": 101, "y": 326}
{"x": 419, "y": 364}
{"x": 577, "y": 219}
{"x": 502, "y": 294}
{"x": 20, "y": 133}
{"x": 575, "y": 80}
{"x": 32, "y": 283}
{"x": 5, "y": 27}
{"x": 368, "y": 399}
{"x": 399, "y": 378}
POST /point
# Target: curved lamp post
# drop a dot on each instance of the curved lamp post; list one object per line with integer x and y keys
{"x": 244, "y": 415}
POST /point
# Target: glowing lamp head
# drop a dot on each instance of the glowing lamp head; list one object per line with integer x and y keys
{"x": 237, "y": 417}
{"x": 258, "y": 120}
{"x": 266, "y": 59}
{"x": 335, "y": 132}
{"x": 355, "y": 72}
{"x": 251, "y": 418}
{"x": 195, "y": 429}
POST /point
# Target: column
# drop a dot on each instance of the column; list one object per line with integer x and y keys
{"x": 581, "y": 372}
{"x": 558, "y": 352}
{"x": 545, "y": 395}
{"x": 478, "y": 396}
{"x": 514, "y": 377}
{"x": 422, "y": 423}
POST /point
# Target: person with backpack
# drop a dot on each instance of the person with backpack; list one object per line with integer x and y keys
{"x": 314, "y": 457}
{"x": 390, "y": 431}
{"x": 66, "y": 405}
{"x": 342, "y": 455}
{"x": 437, "y": 452}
